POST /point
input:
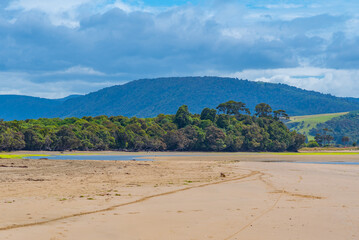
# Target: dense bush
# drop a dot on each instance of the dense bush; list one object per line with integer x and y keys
{"x": 229, "y": 131}
{"x": 312, "y": 144}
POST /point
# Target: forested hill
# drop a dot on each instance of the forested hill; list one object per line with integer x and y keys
{"x": 22, "y": 107}
{"x": 15, "y": 107}
{"x": 149, "y": 97}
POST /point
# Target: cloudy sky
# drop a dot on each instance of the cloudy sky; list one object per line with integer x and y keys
{"x": 54, "y": 48}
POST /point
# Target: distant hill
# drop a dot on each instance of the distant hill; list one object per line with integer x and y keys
{"x": 24, "y": 107}
{"x": 68, "y": 97}
{"x": 149, "y": 97}
{"x": 305, "y": 124}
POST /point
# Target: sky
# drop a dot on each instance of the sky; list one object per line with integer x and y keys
{"x": 54, "y": 48}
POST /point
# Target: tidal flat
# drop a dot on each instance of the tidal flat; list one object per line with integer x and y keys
{"x": 180, "y": 196}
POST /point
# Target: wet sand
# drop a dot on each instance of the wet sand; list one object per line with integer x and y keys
{"x": 201, "y": 196}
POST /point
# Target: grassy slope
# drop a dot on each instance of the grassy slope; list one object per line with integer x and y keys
{"x": 308, "y": 122}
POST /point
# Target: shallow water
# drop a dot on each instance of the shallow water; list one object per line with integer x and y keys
{"x": 148, "y": 158}
{"x": 111, "y": 157}
{"x": 95, "y": 157}
{"x": 337, "y": 163}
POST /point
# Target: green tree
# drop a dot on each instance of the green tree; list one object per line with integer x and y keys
{"x": 263, "y": 110}
{"x": 312, "y": 144}
{"x": 215, "y": 139}
{"x": 223, "y": 121}
{"x": 208, "y": 114}
{"x": 233, "y": 108}
{"x": 183, "y": 117}
{"x": 175, "y": 140}
{"x": 298, "y": 141}
{"x": 252, "y": 137}
{"x": 11, "y": 140}
{"x": 33, "y": 140}
{"x": 66, "y": 139}
{"x": 345, "y": 140}
{"x": 327, "y": 138}
{"x": 234, "y": 142}
{"x": 194, "y": 138}
{"x": 319, "y": 139}
{"x": 155, "y": 131}
{"x": 278, "y": 114}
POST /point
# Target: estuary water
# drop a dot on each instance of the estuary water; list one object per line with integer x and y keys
{"x": 336, "y": 163}
{"x": 110, "y": 157}
{"x": 150, "y": 158}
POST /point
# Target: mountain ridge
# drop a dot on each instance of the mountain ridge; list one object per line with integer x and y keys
{"x": 149, "y": 97}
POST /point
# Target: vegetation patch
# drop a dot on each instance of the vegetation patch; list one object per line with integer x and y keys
{"x": 304, "y": 124}
{"x": 231, "y": 128}
{"x": 20, "y": 156}
{"x": 343, "y": 130}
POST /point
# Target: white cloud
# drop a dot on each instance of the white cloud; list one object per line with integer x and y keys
{"x": 60, "y": 12}
{"x": 283, "y": 6}
{"x": 46, "y": 6}
{"x": 69, "y": 12}
{"x": 342, "y": 83}
{"x": 352, "y": 27}
{"x": 79, "y": 70}
{"x": 26, "y": 84}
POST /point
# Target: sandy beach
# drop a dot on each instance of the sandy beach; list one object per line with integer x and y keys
{"x": 190, "y": 196}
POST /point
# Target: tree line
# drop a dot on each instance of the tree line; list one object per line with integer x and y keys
{"x": 230, "y": 127}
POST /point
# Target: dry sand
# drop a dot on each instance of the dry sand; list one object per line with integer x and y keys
{"x": 182, "y": 197}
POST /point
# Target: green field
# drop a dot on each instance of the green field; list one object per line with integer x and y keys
{"x": 307, "y": 122}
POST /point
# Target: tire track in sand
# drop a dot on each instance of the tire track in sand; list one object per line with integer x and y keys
{"x": 252, "y": 173}
{"x": 282, "y": 192}
{"x": 256, "y": 218}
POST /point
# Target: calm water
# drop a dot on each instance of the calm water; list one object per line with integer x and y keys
{"x": 145, "y": 158}
{"x": 110, "y": 157}
{"x": 337, "y": 163}
{"x": 95, "y": 157}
